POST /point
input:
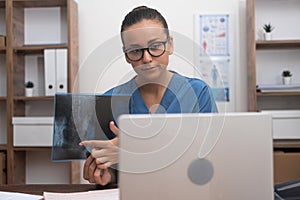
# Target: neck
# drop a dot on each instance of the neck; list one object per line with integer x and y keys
{"x": 155, "y": 86}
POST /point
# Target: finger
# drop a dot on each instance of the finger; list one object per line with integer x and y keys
{"x": 92, "y": 169}
{"x": 86, "y": 166}
{"x": 105, "y": 177}
{"x": 95, "y": 143}
{"x": 113, "y": 128}
{"x": 101, "y": 160}
{"x": 97, "y": 176}
{"x": 97, "y": 153}
{"x": 102, "y": 176}
{"x": 115, "y": 141}
{"x": 105, "y": 165}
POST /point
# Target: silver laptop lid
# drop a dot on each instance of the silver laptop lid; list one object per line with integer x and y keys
{"x": 196, "y": 156}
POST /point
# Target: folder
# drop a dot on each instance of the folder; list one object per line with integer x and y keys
{"x": 61, "y": 70}
{"x": 50, "y": 71}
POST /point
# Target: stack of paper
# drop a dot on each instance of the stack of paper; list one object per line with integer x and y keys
{"x": 18, "y": 196}
{"x": 278, "y": 88}
{"x": 111, "y": 194}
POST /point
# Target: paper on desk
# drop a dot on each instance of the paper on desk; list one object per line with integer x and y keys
{"x": 18, "y": 196}
{"x": 111, "y": 194}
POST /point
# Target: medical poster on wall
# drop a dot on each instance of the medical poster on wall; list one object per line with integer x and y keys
{"x": 216, "y": 74}
{"x": 214, "y": 35}
{"x": 212, "y": 58}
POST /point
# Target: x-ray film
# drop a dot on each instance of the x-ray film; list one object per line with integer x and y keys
{"x": 80, "y": 117}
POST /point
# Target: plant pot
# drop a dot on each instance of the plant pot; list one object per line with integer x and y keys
{"x": 286, "y": 80}
{"x": 29, "y": 92}
{"x": 268, "y": 36}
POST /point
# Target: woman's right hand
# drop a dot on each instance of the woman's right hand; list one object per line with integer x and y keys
{"x": 105, "y": 152}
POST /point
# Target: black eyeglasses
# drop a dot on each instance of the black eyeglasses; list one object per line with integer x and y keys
{"x": 156, "y": 49}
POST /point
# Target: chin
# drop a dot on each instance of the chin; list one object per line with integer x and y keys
{"x": 151, "y": 77}
{"x": 151, "y": 74}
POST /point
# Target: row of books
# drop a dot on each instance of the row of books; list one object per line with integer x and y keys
{"x": 265, "y": 88}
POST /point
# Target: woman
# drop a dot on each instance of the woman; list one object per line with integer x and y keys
{"x": 147, "y": 46}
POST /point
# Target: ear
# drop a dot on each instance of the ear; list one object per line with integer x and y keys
{"x": 170, "y": 46}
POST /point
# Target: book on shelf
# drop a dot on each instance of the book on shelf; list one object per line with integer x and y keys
{"x": 264, "y": 88}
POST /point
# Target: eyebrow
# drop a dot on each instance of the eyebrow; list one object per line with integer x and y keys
{"x": 149, "y": 42}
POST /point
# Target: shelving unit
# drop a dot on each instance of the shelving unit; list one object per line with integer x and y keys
{"x": 256, "y": 46}
{"x": 15, "y": 101}
{"x": 3, "y": 99}
{"x": 278, "y": 44}
{"x": 265, "y": 61}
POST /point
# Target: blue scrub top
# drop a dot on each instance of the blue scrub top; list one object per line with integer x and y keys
{"x": 183, "y": 95}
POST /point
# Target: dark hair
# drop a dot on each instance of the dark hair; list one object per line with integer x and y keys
{"x": 140, "y": 13}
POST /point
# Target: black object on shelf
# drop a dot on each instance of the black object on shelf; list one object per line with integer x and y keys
{"x": 288, "y": 191}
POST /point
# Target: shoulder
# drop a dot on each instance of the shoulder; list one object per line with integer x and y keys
{"x": 196, "y": 83}
{"x": 123, "y": 89}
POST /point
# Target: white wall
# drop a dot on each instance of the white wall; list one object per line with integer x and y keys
{"x": 271, "y": 63}
{"x": 99, "y": 26}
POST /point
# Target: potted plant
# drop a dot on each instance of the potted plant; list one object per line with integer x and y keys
{"x": 29, "y": 88}
{"x": 286, "y": 77}
{"x": 268, "y": 28}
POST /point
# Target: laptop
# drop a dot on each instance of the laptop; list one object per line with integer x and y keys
{"x": 196, "y": 156}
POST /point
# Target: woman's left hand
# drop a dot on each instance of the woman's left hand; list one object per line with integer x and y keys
{"x": 105, "y": 152}
{"x": 93, "y": 174}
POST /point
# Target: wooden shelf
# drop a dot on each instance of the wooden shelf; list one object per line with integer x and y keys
{"x": 2, "y": 98}
{"x": 261, "y": 56}
{"x": 34, "y": 98}
{"x": 291, "y": 143}
{"x": 3, "y": 147}
{"x": 34, "y": 49}
{"x": 40, "y": 3}
{"x": 16, "y": 65}
{"x": 32, "y": 148}
{"x": 2, "y": 4}
{"x": 278, "y": 44}
{"x": 278, "y": 94}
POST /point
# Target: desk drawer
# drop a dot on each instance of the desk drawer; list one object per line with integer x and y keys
{"x": 286, "y": 166}
{"x": 286, "y": 124}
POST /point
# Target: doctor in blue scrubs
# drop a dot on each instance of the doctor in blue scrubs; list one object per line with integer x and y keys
{"x": 147, "y": 46}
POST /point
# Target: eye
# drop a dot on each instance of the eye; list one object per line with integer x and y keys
{"x": 133, "y": 51}
{"x": 156, "y": 45}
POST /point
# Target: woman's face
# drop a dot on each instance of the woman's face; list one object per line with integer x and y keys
{"x": 148, "y": 34}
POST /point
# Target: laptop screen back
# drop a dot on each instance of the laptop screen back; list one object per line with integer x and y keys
{"x": 196, "y": 156}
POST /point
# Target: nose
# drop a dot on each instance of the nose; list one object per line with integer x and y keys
{"x": 147, "y": 57}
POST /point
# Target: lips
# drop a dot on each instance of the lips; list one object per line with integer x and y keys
{"x": 148, "y": 68}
